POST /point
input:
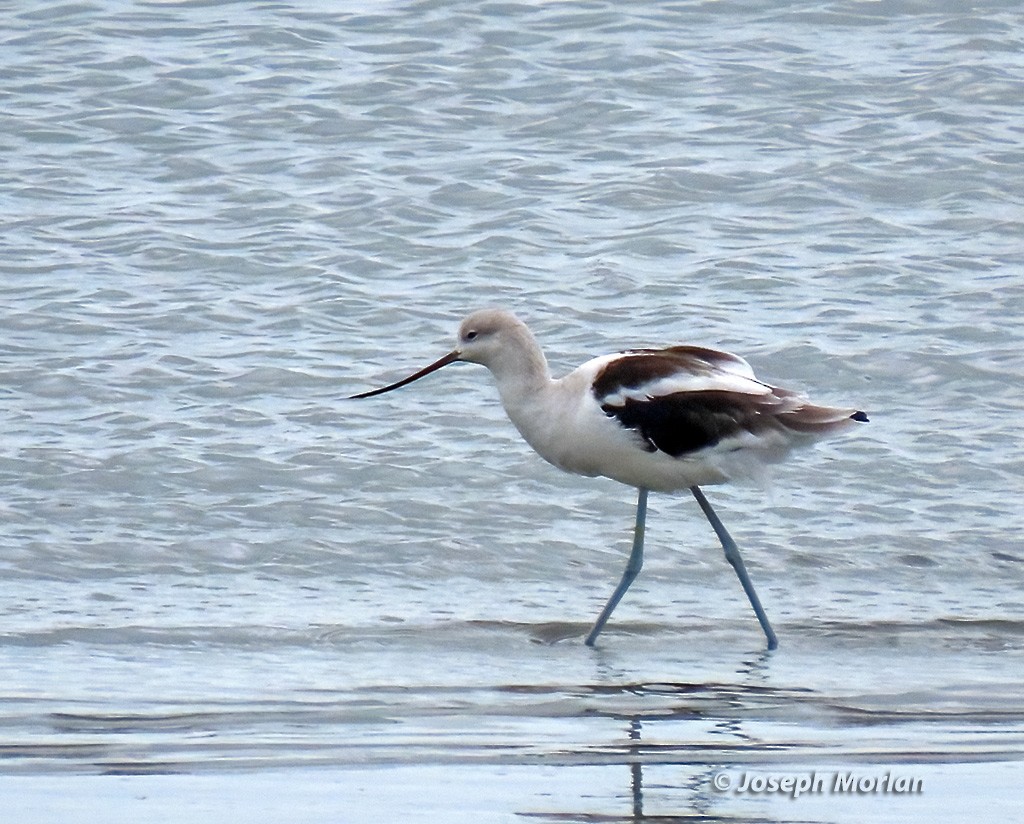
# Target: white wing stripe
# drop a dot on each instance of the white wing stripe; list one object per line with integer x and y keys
{"x": 681, "y": 382}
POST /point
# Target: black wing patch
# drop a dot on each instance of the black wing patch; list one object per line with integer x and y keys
{"x": 689, "y": 421}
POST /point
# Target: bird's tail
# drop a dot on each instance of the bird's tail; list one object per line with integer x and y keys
{"x": 809, "y": 419}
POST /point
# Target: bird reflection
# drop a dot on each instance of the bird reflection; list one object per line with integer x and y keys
{"x": 752, "y": 674}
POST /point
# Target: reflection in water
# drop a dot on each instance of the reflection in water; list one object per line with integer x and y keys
{"x": 636, "y": 769}
{"x": 756, "y": 666}
{"x": 725, "y": 707}
{"x": 701, "y": 799}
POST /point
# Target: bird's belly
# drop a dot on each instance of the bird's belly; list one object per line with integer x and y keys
{"x": 637, "y": 467}
{"x": 588, "y": 442}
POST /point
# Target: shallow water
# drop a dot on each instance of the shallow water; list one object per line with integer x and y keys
{"x": 226, "y": 589}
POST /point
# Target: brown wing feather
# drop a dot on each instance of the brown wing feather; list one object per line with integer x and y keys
{"x": 685, "y": 422}
{"x": 688, "y": 422}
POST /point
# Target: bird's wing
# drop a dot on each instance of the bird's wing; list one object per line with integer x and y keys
{"x": 647, "y": 374}
{"x": 687, "y": 398}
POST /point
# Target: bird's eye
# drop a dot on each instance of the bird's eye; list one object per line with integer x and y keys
{"x": 472, "y": 334}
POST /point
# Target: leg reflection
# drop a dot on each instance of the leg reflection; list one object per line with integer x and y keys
{"x": 636, "y": 769}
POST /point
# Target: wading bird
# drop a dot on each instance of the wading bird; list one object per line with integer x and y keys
{"x": 656, "y": 419}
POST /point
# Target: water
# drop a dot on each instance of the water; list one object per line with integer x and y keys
{"x": 229, "y": 593}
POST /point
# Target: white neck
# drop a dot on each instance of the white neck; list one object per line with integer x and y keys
{"x": 519, "y": 367}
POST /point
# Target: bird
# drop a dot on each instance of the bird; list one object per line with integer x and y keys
{"x": 659, "y": 420}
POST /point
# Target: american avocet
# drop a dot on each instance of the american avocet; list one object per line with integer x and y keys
{"x": 656, "y": 419}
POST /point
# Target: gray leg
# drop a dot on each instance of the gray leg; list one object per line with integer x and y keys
{"x": 633, "y": 566}
{"x": 732, "y": 555}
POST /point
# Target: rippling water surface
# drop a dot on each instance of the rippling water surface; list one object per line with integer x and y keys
{"x": 229, "y": 594}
